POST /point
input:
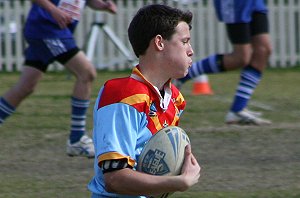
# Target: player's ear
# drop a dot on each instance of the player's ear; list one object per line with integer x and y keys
{"x": 159, "y": 42}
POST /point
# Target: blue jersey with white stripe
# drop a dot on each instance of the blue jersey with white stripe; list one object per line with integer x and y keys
{"x": 40, "y": 24}
{"x": 238, "y": 11}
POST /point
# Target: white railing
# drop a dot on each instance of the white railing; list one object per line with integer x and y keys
{"x": 208, "y": 35}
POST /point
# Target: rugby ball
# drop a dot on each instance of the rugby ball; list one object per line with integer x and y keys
{"x": 163, "y": 154}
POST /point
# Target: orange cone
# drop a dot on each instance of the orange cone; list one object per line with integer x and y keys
{"x": 201, "y": 86}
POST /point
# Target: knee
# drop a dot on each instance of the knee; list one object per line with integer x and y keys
{"x": 92, "y": 75}
{"x": 261, "y": 55}
{"x": 263, "y": 50}
{"x": 88, "y": 76}
{"x": 241, "y": 61}
{"x": 266, "y": 50}
{"x": 241, "y": 58}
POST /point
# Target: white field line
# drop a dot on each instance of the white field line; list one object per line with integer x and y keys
{"x": 244, "y": 128}
{"x": 252, "y": 103}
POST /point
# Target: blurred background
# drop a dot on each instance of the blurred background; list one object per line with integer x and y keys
{"x": 108, "y": 45}
{"x": 236, "y": 161}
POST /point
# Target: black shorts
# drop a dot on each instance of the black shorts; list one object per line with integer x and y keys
{"x": 241, "y": 33}
{"x": 42, "y": 52}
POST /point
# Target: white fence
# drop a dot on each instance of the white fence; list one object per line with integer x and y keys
{"x": 208, "y": 35}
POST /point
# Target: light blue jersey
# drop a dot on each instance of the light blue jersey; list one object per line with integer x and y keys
{"x": 123, "y": 143}
{"x": 127, "y": 112}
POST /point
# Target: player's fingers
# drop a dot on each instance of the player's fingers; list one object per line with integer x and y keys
{"x": 188, "y": 149}
{"x": 62, "y": 25}
{"x": 63, "y": 19}
{"x": 193, "y": 159}
{"x": 187, "y": 157}
{"x": 112, "y": 7}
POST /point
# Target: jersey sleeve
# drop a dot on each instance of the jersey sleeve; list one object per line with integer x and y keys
{"x": 117, "y": 128}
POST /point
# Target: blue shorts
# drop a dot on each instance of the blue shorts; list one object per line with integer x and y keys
{"x": 238, "y": 11}
{"x": 42, "y": 52}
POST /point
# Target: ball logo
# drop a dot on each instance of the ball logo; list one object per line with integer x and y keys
{"x": 154, "y": 163}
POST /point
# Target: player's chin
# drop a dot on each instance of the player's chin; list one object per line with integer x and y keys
{"x": 186, "y": 71}
{"x": 182, "y": 72}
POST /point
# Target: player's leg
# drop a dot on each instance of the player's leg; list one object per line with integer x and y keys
{"x": 251, "y": 73}
{"x": 238, "y": 31}
{"x": 217, "y": 63}
{"x": 79, "y": 144}
{"x": 23, "y": 88}
{"x": 85, "y": 74}
{"x": 209, "y": 65}
{"x": 239, "y": 35}
{"x": 36, "y": 58}
{"x": 261, "y": 41}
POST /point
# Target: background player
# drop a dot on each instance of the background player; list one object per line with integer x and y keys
{"x": 49, "y": 33}
{"x": 247, "y": 28}
{"x": 128, "y": 111}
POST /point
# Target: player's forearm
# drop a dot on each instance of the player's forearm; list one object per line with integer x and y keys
{"x": 106, "y": 5}
{"x": 97, "y": 4}
{"x": 130, "y": 182}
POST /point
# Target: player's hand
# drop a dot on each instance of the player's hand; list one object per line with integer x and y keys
{"x": 62, "y": 18}
{"x": 191, "y": 169}
{"x": 110, "y": 7}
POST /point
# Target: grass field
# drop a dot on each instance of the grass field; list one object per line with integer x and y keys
{"x": 237, "y": 162}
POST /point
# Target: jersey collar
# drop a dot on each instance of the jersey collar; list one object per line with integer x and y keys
{"x": 164, "y": 101}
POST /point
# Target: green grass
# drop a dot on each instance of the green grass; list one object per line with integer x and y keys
{"x": 237, "y": 162}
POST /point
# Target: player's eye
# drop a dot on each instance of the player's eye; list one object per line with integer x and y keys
{"x": 185, "y": 41}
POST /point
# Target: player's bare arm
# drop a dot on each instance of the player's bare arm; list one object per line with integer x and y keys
{"x": 120, "y": 181}
{"x": 105, "y": 5}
